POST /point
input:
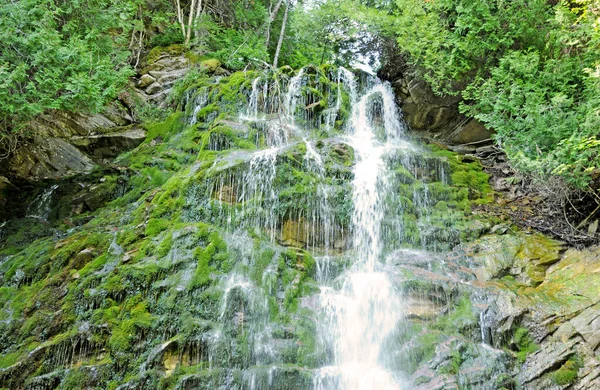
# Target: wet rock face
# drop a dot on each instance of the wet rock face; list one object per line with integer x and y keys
{"x": 559, "y": 313}
{"x": 443, "y": 347}
{"x": 479, "y": 319}
{"x": 429, "y": 114}
{"x": 161, "y": 288}
{"x": 37, "y": 209}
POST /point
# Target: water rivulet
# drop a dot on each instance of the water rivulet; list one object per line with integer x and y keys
{"x": 271, "y": 235}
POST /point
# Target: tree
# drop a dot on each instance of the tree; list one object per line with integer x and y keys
{"x": 281, "y": 34}
{"x": 193, "y": 15}
{"x": 272, "y": 14}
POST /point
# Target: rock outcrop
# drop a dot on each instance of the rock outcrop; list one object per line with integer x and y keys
{"x": 65, "y": 144}
{"x": 144, "y": 291}
{"x": 428, "y": 114}
{"x": 157, "y": 79}
{"x": 550, "y": 322}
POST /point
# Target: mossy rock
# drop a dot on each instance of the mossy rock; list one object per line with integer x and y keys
{"x": 159, "y": 52}
{"x": 210, "y": 65}
{"x": 567, "y": 373}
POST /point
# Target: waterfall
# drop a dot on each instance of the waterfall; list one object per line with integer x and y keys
{"x": 362, "y": 314}
{"x": 41, "y": 205}
{"x": 358, "y": 308}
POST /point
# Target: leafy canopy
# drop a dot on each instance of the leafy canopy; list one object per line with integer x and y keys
{"x": 67, "y": 55}
{"x": 530, "y": 69}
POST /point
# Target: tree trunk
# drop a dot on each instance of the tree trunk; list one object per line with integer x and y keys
{"x": 198, "y": 13}
{"x": 281, "y": 34}
{"x": 272, "y": 15}
{"x": 180, "y": 17}
{"x": 194, "y": 14}
{"x": 188, "y": 34}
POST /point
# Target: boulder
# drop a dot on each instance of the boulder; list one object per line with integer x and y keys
{"x": 47, "y": 158}
{"x": 166, "y": 76}
{"x": 100, "y": 146}
{"x": 428, "y": 113}
{"x": 473, "y": 131}
{"x": 154, "y": 88}
{"x": 145, "y": 80}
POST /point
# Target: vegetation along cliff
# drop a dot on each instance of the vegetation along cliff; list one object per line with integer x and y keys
{"x": 287, "y": 194}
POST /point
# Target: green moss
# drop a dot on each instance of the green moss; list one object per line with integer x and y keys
{"x": 466, "y": 174}
{"x": 127, "y": 323}
{"x": 32, "y": 263}
{"x": 8, "y": 359}
{"x": 210, "y": 65}
{"x": 127, "y": 237}
{"x": 165, "y": 130}
{"x": 165, "y": 246}
{"x": 193, "y": 57}
{"x": 424, "y": 350}
{"x": 567, "y": 373}
{"x": 453, "y": 366}
{"x": 524, "y": 344}
{"x": 474, "y": 179}
{"x": 210, "y": 258}
{"x": 164, "y": 51}
{"x": 155, "y": 226}
{"x": 462, "y": 319}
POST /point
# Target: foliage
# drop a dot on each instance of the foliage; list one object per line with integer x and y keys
{"x": 60, "y": 55}
{"x": 78, "y": 56}
{"x": 527, "y": 69}
{"x": 236, "y": 48}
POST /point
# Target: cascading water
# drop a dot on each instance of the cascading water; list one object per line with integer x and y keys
{"x": 364, "y": 312}
{"x": 276, "y": 245}
{"x": 40, "y": 207}
{"x": 359, "y": 309}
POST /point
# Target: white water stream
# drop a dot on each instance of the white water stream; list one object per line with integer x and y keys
{"x": 364, "y": 312}
{"x": 360, "y": 309}
{"x": 40, "y": 207}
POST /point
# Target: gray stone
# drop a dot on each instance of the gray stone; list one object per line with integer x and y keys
{"x": 170, "y": 63}
{"x": 154, "y": 88}
{"x": 589, "y": 381}
{"x": 486, "y": 150}
{"x": 159, "y": 98}
{"x": 500, "y": 229}
{"x": 551, "y": 356}
{"x": 587, "y": 324}
{"x": 419, "y": 90}
{"x": 473, "y": 131}
{"x": 463, "y": 149}
{"x": 56, "y": 149}
{"x": 111, "y": 144}
{"x": 145, "y": 80}
{"x": 48, "y": 158}
{"x": 169, "y": 75}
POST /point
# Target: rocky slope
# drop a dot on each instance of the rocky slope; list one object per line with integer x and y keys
{"x": 153, "y": 273}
